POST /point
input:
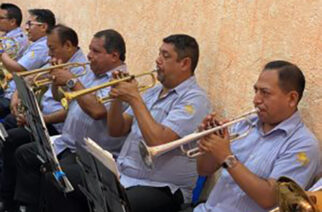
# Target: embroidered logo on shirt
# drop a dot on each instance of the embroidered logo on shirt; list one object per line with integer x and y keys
{"x": 302, "y": 158}
{"x": 189, "y": 109}
{"x": 32, "y": 55}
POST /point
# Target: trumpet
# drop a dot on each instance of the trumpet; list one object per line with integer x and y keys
{"x": 148, "y": 153}
{"x": 41, "y": 75}
{"x": 69, "y": 96}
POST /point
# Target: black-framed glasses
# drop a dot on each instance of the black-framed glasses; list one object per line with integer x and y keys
{"x": 30, "y": 23}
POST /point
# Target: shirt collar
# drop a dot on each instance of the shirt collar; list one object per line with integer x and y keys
{"x": 122, "y": 68}
{"x": 16, "y": 32}
{"x": 44, "y": 38}
{"x": 76, "y": 55}
{"x": 287, "y": 126}
{"x": 182, "y": 87}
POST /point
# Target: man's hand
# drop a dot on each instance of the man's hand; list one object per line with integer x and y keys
{"x": 218, "y": 143}
{"x": 21, "y": 119}
{"x": 15, "y": 101}
{"x": 126, "y": 91}
{"x": 60, "y": 76}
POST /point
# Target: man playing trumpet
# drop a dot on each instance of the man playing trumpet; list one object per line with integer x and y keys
{"x": 164, "y": 113}
{"x": 63, "y": 45}
{"x": 35, "y": 56}
{"x": 86, "y": 117}
{"x": 280, "y": 145}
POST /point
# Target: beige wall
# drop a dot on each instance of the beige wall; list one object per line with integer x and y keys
{"x": 236, "y": 39}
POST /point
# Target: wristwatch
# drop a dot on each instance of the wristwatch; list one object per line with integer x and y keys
{"x": 229, "y": 162}
{"x": 71, "y": 83}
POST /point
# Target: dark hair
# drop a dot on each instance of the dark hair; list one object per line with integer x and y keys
{"x": 289, "y": 75}
{"x": 13, "y": 11}
{"x": 185, "y": 46}
{"x": 113, "y": 41}
{"x": 65, "y": 34}
{"x": 44, "y": 16}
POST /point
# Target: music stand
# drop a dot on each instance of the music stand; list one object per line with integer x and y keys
{"x": 101, "y": 179}
{"x": 38, "y": 128}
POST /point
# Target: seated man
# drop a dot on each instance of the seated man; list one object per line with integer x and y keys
{"x": 36, "y": 55}
{"x": 279, "y": 145}
{"x": 86, "y": 117}
{"x": 10, "y": 21}
{"x": 165, "y": 113}
{"x": 63, "y": 45}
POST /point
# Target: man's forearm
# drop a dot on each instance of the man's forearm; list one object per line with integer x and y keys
{"x": 116, "y": 121}
{"x": 56, "y": 117}
{"x": 262, "y": 191}
{"x": 10, "y": 64}
{"x": 153, "y": 132}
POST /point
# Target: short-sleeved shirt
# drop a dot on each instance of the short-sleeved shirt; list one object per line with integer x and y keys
{"x": 289, "y": 149}
{"x": 181, "y": 110}
{"x": 19, "y": 36}
{"x": 48, "y": 103}
{"x": 317, "y": 186}
{"x": 35, "y": 56}
{"x": 79, "y": 125}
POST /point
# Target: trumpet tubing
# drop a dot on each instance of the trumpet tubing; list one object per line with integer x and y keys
{"x": 42, "y": 72}
{"x": 69, "y": 96}
{"x": 148, "y": 153}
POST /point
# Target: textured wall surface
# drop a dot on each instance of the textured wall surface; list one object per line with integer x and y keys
{"x": 236, "y": 39}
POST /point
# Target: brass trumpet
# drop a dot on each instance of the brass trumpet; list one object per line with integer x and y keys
{"x": 148, "y": 153}
{"x": 69, "y": 96}
{"x": 42, "y": 77}
{"x": 291, "y": 197}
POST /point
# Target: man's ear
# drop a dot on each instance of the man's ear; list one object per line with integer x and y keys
{"x": 115, "y": 56}
{"x": 293, "y": 98}
{"x": 186, "y": 63}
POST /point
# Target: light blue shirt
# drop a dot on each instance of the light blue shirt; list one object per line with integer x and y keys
{"x": 317, "y": 186}
{"x": 181, "y": 110}
{"x": 289, "y": 149}
{"x": 48, "y": 103}
{"x": 19, "y": 36}
{"x": 79, "y": 125}
{"x": 35, "y": 56}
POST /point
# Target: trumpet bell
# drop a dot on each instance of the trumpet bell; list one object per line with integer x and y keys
{"x": 145, "y": 155}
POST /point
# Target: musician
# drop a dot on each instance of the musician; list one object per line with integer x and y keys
{"x": 63, "y": 45}
{"x": 86, "y": 117}
{"x": 10, "y": 21}
{"x": 280, "y": 145}
{"x": 164, "y": 113}
{"x": 36, "y": 55}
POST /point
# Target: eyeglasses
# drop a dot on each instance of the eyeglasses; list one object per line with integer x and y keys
{"x": 30, "y": 23}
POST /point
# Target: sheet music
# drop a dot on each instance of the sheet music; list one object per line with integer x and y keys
{"x": 104, "y": 156}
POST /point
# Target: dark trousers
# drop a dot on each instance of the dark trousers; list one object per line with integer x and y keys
{"x": 4, "y": 107}
{"x": 153, "y": 199}
{"x": 32, "y": 186}
{"x": 16, "y": 138}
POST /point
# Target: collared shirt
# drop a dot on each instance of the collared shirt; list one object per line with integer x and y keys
{"x": 48, "y": 103}
{"x": 317, "y": 186}
{"x": 289, "y": 149}
{"x": 79, "y": 125}
{"x": 181, "y": 110}
{"x": 35, "y": 56}
{"x": 19, "y": 36}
